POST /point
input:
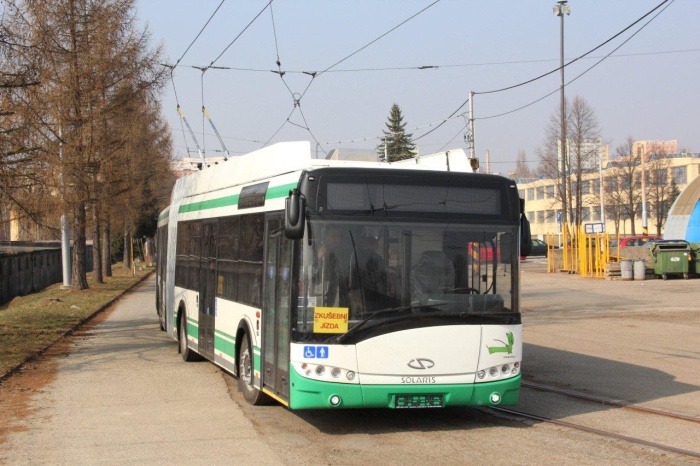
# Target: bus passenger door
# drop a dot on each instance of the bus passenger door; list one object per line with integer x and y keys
{"x": 276, "y": 304}
{"x": 207, "y": 296}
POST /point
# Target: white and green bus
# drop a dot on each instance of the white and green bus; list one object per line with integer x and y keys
{"x": 339, "y": 284}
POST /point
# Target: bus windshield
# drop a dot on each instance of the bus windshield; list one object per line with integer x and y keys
{"x": 360, "y": 278}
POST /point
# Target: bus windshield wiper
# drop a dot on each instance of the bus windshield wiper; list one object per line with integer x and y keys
{"x": 374, "y": 315}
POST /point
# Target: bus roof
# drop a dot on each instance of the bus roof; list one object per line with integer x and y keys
{"x": 287, "y": 158}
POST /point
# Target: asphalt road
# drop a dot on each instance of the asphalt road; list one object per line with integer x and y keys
{"x": 118, "y": 393}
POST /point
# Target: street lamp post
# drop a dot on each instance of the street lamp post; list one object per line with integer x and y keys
{"x": 561, "y": 9}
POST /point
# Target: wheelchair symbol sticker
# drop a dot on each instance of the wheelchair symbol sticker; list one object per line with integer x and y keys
{"x": 314, "y": 352}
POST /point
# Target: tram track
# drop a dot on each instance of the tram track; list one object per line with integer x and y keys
{"x": 623, "y": 405}
{"x": 608, "y": 402}
{"x": 594, "y": 431}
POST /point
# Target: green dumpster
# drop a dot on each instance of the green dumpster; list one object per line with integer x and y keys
{"x": 695, "y": 249}
{"x": 671, "y": 257}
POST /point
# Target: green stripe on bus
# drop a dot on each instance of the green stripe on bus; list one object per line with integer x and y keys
{"x": 272, "y": 193}
{"x": 210, "y": 204}
{"x": 193, "y": 328}
{"x": 279, "y": 191}
{"x": 225, "y": 335}
{"x": 164, "y": 215}
{"x": 225, "y": 345}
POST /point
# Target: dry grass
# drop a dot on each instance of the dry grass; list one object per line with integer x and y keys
{"x": 29, "y": 324}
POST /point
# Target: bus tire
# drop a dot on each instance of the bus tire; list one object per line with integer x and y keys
{"x": 246, "y": 375}
{"x": 188, "y": 354}
{"x": 161, "y": 319}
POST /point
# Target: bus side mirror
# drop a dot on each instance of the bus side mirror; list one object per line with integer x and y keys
{"x": 507, "y": 248}
{"x": 525, "y": 236}
{"x": 294, "y": 215}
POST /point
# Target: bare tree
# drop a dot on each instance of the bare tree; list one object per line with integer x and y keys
{"x": 620, "y": 185}
{"x": 92, "y": 61}
{"x": 522, "y": 169}
{"x": 582, "y": 127}
{"x": 661, "y": 187}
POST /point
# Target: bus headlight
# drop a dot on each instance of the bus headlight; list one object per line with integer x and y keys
{"x": 350, "y": 375}
{"x": 500, "y": 372}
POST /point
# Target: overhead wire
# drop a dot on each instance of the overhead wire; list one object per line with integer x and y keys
{"x": 177, "y": 101}
{"x": 241, "y": 33}
{"x": 199, "y": 33}
{"x": 555, "y": 70}
{"x": 297, "y": 97}
{"x": 370, "y": 138}
{"x": 314, "y": 74}
{"x": 577, "y": 58}
{"x": 434, "y": 67}
{"x": 584, "y": 72}
{"x": 172, "y": 68}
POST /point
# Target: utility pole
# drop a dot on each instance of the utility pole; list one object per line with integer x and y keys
{"x": 602, "y": 198}
{"x": 560, "y": 9}
{"x": 65, "y": 228}
{"x": 473, "y": 161}
{"x": 645, "y": 229}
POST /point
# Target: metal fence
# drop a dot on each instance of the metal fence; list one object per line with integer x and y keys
{"x": 26, "y": 269}
{"x": 582, "y": 253}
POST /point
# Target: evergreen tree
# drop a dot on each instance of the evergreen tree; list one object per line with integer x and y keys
{"x": 398, "y": 143}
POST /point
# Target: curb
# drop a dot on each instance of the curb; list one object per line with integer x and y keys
{"x": 36, "y": 355}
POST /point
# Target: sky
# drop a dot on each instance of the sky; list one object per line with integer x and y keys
{"x": 366, "y": 60}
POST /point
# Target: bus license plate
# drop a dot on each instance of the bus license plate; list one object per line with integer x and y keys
{"x": 419, "y": 401}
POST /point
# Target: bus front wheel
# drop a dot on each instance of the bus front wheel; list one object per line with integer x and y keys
{"x": 245, "y": 375}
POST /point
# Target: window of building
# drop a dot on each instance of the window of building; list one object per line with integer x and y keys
{"x": 679, "y": 175}
{"x": 540, "y": 192}
{"x": 596, "y": 186}
{"x": 585, "y": 187}
{"x": 550, "y": 192}
{"x": 550, "y": 216}
{"x": 585, "y": 214}
{"x": 659, "y": 177}
{"x": 540, "y": 216}
{"x": 530, "y": 194}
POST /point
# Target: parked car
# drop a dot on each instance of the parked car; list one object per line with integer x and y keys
{"x": 539, "y": 248}
{"x": 640, "y": 240}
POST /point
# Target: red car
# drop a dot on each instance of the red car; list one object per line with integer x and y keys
{"x": 635, "y": 240}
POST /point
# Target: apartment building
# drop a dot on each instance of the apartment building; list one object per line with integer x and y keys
{"x": 543, "y": 207}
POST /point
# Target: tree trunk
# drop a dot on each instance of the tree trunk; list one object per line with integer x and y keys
{"x": 127, "y": 248}
{"x": 79, "y": 278}
{"x": 106, "y": 250}
{"x": 97, "y": 246}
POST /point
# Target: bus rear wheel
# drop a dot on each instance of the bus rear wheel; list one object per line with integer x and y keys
{"x": 246, "y": 375}
{"x": 188, "y": 354}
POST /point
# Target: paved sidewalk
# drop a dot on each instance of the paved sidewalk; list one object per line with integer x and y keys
{"x": 124, "y": 396}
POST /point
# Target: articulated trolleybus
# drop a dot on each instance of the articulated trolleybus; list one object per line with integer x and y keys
{"x": 339, "y": 284}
